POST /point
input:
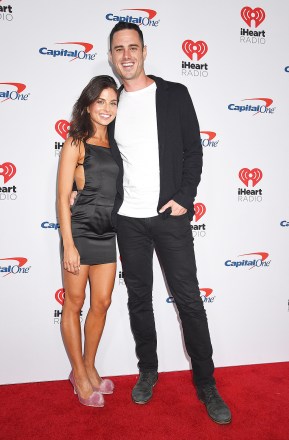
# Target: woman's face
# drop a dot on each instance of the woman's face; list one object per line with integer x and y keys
{"x": 103, "y": 110}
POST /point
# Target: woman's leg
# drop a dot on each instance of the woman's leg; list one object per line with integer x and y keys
{"x": 70, "y": 325}
{"x": 101, "y": 277}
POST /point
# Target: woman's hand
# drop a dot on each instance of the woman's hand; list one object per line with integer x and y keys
{"x": 71, "y": 259}
{"x": 72, "y": 197}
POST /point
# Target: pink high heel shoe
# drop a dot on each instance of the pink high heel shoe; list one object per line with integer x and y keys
{"x": 106, "y": 387}
{"x": 95, "y": 399}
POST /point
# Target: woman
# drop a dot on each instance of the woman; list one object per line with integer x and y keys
{"x": 89, "y": 250}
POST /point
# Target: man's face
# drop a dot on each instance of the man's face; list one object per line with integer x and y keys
{"x": 127, "y": 54}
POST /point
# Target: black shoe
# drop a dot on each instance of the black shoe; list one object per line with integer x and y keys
{"x": 216, "y": 407}
{"x": 143, "y": 389}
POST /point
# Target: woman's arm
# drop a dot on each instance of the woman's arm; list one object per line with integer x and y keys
{"x": 68, "y": 161}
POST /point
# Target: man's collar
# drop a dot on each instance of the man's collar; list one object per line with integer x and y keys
{"x": 159, "y": 82}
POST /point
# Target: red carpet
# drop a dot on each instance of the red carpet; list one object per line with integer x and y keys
{"x": 258, "y": 396}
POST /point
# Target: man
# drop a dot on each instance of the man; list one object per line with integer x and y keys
{"x": 157, "y": 146}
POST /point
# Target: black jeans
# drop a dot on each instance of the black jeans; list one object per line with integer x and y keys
{"x": 172, "y": 239}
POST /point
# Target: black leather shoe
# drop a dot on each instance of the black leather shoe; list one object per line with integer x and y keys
{"x": 216, "y": 407}
{"x": 143, "y": 389}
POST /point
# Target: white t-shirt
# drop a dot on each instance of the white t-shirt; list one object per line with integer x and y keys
{"x": 137, "y": 139}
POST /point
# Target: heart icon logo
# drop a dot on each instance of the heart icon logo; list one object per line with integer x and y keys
{"x": 200, "y": 48}
{"x": 255, "y": 175}
{"x": 7, "y": 170}
{"x": 62, "y": 128}
{"x": 248, "y": 14}
{"x": 200, "y": 210}
{"x": 59, "y": 296}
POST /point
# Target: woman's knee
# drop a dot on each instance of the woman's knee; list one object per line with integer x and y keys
{"x": 74, "y": 302}
{"x": 101, "y": 306}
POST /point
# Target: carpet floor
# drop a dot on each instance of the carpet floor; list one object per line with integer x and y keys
{"x": 258, "y": 396}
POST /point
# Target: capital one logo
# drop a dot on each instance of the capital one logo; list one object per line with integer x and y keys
{"x": 263, "y": 108}
{"x": 249, "y": 15}
{"x": 200, "y": 210}
{"x": 13, "y": 95}
{"x": 209, "y": 141}
{"x": 62, "y": 128}
{"x": 138, "y": 20}
{"x": 83, "y": 54}
{"x": 12, "y": 268}
{"x": 254, "y": 175}
{"x": 151, "y": 13}
{"x": 59, "y": 296}
{"x": 211, "y": 134}
{"x": 205, "y": 293}
{"x": 259, "y": 259}
{"x": 7, "y": 170}
{"x": 199, "y": 48}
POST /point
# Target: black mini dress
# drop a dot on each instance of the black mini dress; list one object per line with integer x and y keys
{"x": 92, "y": 228}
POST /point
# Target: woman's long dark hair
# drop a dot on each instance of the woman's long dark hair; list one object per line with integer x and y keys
{"x": 81, "y": 127}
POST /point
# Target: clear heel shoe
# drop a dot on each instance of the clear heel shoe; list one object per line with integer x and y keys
{"x": 95, "y": 399}
{"x": 106, "y": 387}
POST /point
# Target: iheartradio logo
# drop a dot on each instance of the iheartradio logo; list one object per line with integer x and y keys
{"x": 250, "y": 195}
{"x": 7, "y": 170}
{"x": 254, "y": 175}
{"x": 6, "y": 13}
{"x": 200, "y": 210}
{"x": 249, "y": 15}
{"x": 200, "y": 48}
{"x": 62, "y": 128}
{"x": 59, "y": 296}
{"x": 199, "y": 230}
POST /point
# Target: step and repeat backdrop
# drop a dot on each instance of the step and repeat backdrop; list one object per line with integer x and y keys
{"x": 233, "y": 57}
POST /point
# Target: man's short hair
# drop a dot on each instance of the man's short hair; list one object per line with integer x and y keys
{"x": 121, "y": 25}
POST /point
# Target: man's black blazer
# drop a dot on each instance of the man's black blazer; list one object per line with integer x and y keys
{"x": 180, "y": 149}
